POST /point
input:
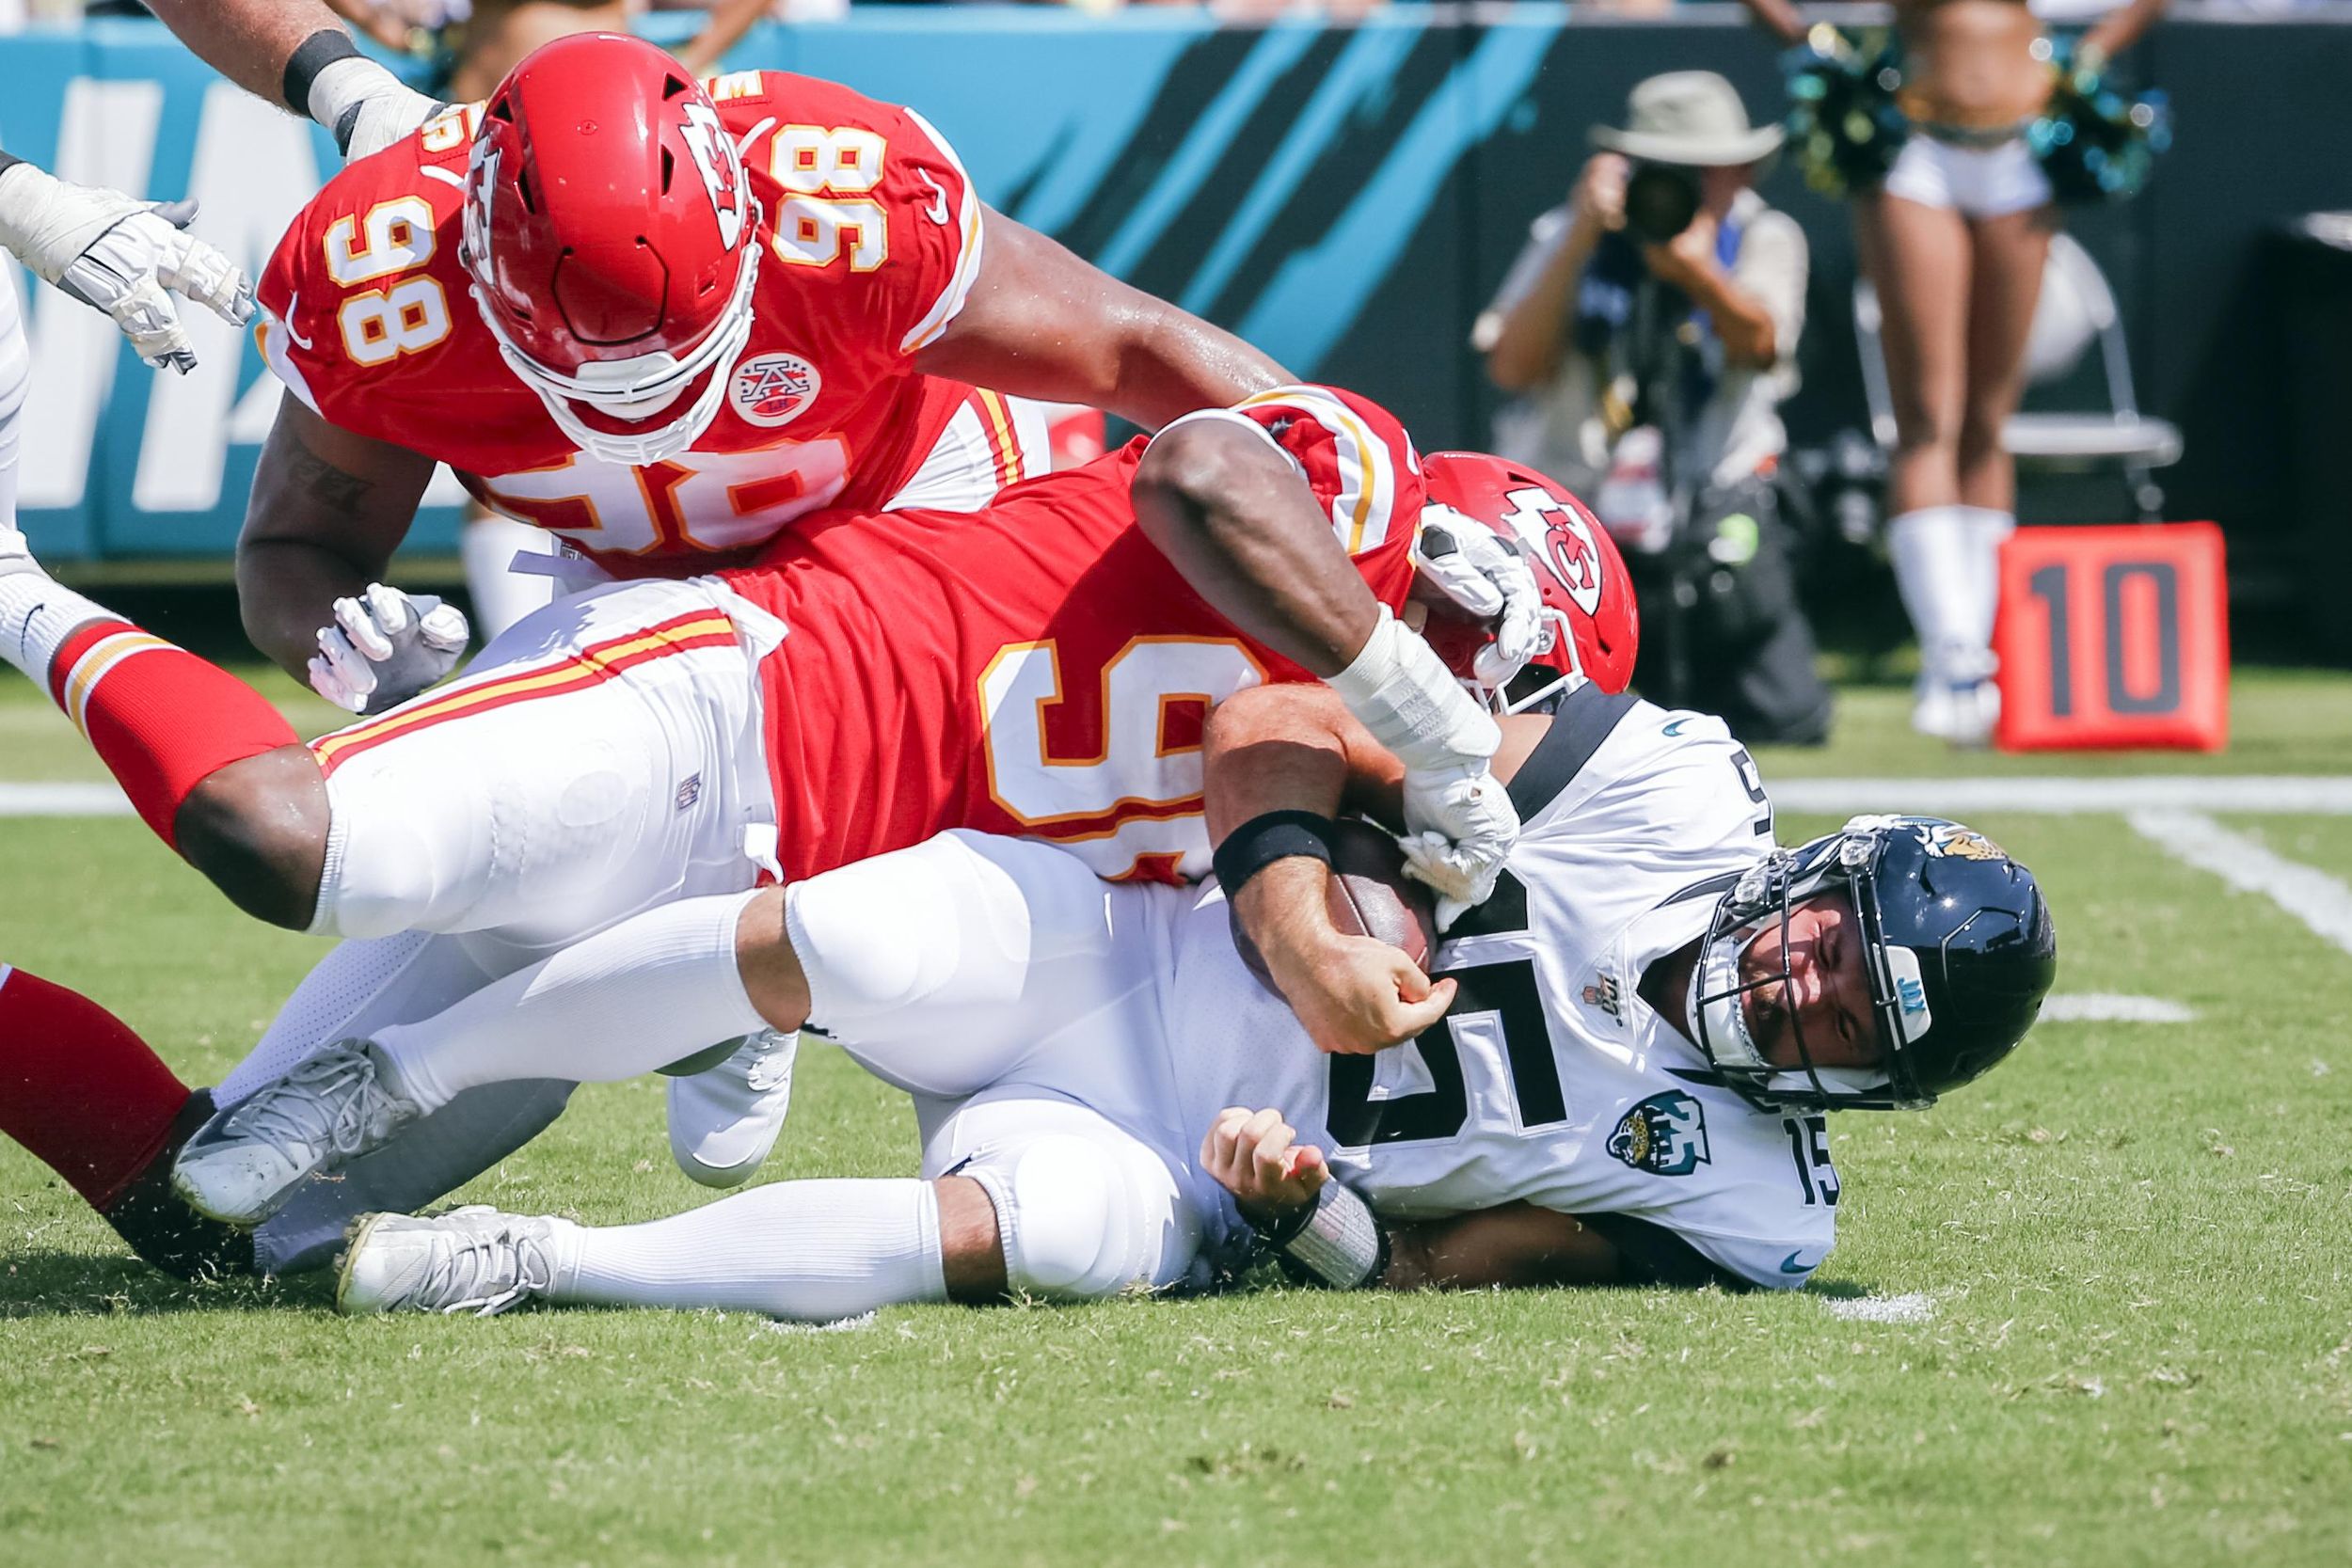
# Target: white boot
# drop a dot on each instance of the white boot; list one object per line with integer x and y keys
{"x": 1956, "y": 699}
{"x": 1943, "y": 567}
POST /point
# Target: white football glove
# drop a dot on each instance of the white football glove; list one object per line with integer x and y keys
{"x": 386, "y": 646}
{"x": 364, "y": 105}
{"x": 1465, "y": 561}
{"x": 119, "y": 255}
{"x": 1459, "y": 824}
{"x": 388, "y": 113}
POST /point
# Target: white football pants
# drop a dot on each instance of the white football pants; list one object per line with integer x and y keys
{"x": 1031, "y": 1027}
{"x": 602, "y": 757}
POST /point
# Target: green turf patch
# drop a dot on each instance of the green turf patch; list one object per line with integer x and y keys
{"x": 2123, "y": 1332}
{"x": 2280, "y": 721}
{"x": 2323, "y": 843}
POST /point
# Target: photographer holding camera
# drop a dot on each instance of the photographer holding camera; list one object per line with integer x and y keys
{"x": 1649, "y": 333}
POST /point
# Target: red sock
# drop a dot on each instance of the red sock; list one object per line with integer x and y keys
{"x": 161, "y": 718}
{"x": 79, "y": 1089}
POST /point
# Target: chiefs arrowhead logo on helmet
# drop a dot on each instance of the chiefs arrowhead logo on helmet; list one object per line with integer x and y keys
{"x": 1588, "y": 599}
{"x": 1567, "y": 547}
{"x": 720, "y": 165}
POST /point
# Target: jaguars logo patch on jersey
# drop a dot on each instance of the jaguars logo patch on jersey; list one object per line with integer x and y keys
{"x": 1666, "y": 1134}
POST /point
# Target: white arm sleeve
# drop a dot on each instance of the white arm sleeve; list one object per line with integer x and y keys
{"x": 16, "y": 374}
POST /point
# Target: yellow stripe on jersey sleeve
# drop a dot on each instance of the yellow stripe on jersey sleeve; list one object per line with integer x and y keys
{"x": 1363, "y": 509}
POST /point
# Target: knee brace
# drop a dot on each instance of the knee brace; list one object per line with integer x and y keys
{"x": 956, "y": 920}
{"x": 1066, "y": 1219}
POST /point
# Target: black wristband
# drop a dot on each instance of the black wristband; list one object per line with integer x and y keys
{"x": 310, "y": 57}
{"x": 8, "y": 161}
{"x": 1264, "y": 839}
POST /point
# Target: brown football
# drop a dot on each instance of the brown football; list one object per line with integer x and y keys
{"x": 1370, "y": 896}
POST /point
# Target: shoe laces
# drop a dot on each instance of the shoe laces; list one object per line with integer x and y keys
{"x": 486, "y": 1267}
{"x": 333, "y": 1098}
{"x": 767, "y": 1061}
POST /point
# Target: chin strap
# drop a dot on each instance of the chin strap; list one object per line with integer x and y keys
{"x": 1718, "y": 1021}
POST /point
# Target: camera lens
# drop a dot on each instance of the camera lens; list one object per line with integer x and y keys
{"x": 1661, "y": 199}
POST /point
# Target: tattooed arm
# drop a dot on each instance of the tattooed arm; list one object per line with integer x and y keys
{"x": 329, "y": 509}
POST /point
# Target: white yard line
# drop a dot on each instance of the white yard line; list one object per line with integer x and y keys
{"x": 2318, "y": 901}
{"x": 62, "y": 800}
{"x": 2251, "y": 794}
{"x": 2106, "y": 1007}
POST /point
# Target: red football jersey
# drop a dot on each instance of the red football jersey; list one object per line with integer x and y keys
{"x": 872, "y": 239}
{"x": 1038, "y": 668}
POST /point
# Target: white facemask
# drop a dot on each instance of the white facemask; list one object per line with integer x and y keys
{"x": 1732, "y": 1044}
{"x": 640, "y": 388}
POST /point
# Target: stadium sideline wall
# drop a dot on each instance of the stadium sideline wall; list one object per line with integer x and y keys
{"x": 1346, "y": 196}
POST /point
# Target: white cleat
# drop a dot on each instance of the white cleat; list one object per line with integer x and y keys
{"x": 242, "y": 1165}
{"x": 725, "y": 1120}
{"x": 475, "y": 1260}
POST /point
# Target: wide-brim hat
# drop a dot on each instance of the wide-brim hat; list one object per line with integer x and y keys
{"x": 1688, "y": 116}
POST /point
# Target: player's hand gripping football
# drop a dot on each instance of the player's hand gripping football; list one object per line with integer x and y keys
{"x": 1255, "y": 1155}
{"x": 384, "y": 647}
{"x": 122, "y": 256}
{"x": 1356, "y": 995}
{"x": 1459, "y": 824}
{"x": 1490, "y": 582}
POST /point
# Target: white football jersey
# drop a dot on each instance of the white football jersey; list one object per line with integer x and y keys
{"x": 1551, "y": 1081}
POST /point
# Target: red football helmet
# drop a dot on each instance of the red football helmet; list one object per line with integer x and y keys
{"x": 1592, "y": 624}
{"x": 613, "y": 242}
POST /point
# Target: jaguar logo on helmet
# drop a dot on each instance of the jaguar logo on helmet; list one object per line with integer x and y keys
{"x": 773, "y": 389}
{"x": 1950, "y": 838}
{"x": 1666, "y": 1134}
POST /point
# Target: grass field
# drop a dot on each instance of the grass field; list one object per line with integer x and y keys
{"x": 2117, "y": 1276}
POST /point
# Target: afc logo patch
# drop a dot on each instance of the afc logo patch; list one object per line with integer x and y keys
{"x": 1666, "y": 1134}
{"x": 773, "y": 389}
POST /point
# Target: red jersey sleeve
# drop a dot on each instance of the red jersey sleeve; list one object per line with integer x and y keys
{"x": 362, "y": 304}
{"x": 847, "y": 177}
{"x": 1359, "y": 461}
